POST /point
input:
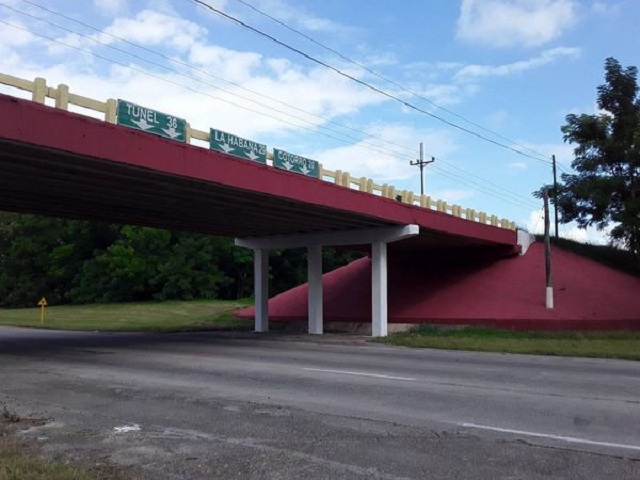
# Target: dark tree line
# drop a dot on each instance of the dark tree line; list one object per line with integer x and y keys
{"x": 81, "y": 262}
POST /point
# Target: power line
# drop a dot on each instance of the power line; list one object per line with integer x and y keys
{"x": 509, "y": 196}
{"x": 392, "y": 82}
{"x": 505, "y": 197}
{"x": 361, "y": 143}
{"x": 361, "y": 82}
{"x": 493, "y": 185}
{"x": 540, "y": 216}
{"x": 174, "y": 60}
{"x": 140, "y": 70}
{"x": 382, "y": 77}
{"x": 205, "y": 72}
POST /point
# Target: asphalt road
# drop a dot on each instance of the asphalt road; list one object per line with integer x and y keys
{"x": 291, "y": 406}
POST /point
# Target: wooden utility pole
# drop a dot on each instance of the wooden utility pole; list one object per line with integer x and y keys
{"x": 555, "y": 195}
{"x": 421, "y": 163}
{"x": 547, "y": 251}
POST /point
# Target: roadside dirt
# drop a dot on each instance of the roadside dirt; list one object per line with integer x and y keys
{"x": 30, "y": 437}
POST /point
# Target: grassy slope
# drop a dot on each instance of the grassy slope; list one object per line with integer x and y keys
{"x": 612, "y": 257}
{"x": 624, "y": 345}
{"x": 174, "y": 316}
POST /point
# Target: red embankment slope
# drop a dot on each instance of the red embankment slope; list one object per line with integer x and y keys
{"x": 450, "y": 289}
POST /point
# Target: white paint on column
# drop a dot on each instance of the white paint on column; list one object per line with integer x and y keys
{"x": 379, "y": 289}
{"x": 314, "y": 270}
{"x": 261, "y": 289}
{"x": 550, "y": 298}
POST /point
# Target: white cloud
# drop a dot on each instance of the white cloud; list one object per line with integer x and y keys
{"x": 151, "y": 28}
{"x": 535, "y": 224}
{"x": 518, "y": 166}
{"x": 15, "y": 35}
{"x": 502, "y": 23}
{"x": 607, "y": 8}
{"x": 447, "y": 94}
{"x": 450, "y": 83}
{"x": 452, "y": 196}
{"x": 193, "y": 94}
{"x": 232, "y": 65}
{"x": 300, "y": 16}
{"x": 546, "y": 57}
{"x": 110, "y": 7}
{"x": 498, "y": 119}
{"x": 306, "y": 97}
{"x": 365, "y": 160}
{"x": 544, "y": 152}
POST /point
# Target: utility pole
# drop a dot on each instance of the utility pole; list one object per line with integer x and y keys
{"x": 547, "y": 251}
{"x": 555, "y": 195}
{"x": 421, "y": 163}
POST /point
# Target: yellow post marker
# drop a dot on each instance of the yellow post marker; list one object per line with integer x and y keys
{"x": 42, "y": 303}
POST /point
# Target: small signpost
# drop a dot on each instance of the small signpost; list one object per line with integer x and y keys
{"x": 42, "y": 304}
{"x": 295, "y": 163}
{"x": 151, "y": 121}
{"x": 237, "y": 146}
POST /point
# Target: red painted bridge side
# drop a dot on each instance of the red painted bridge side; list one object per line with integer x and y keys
{"x": 506, "y": 293}
{"x": 23, "y": 122}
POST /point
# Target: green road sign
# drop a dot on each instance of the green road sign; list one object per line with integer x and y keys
{"x": 237, "y": 146}
{"x": 147, "y": 120}
{"x": 295, "y": 163}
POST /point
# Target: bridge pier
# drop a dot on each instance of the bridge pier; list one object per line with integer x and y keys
{"x": 379, "y": 289}
{"x": 377, "y": 237}
{"x": 261, "y": 288}
{"x": 314, "y": 273}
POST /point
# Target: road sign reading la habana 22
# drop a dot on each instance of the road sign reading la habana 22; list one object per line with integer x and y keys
{"x": 142, "y": 118}
{"x": 295, "y": 163}
{"x": 237, "y": 146}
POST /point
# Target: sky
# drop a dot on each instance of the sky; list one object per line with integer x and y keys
{"x": 485, "y": 85}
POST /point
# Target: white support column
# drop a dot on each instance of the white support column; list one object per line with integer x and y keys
{"x": 261, "y": 288}
{"x": 314, "y": 272}
{"x": 379, "y": 289}
{"x": 377, "y": 237}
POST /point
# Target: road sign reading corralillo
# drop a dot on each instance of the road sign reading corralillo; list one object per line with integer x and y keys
{"x": 295, "y": 163}
{"x": 237, "y": 146}
{"x": 142, "y": 118}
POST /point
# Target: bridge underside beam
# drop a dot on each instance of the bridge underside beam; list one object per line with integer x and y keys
{"x": 378, "y": 238}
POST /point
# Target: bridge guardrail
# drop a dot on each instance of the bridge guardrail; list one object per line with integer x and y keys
{"x": 62, "y": 98}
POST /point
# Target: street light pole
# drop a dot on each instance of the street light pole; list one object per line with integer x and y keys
{"x": 421, "y": 163}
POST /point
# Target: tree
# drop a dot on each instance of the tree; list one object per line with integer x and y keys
{"x": 41, "y": 256}
{"x": 71, "y": 261}
{"x": 605, "y": 190}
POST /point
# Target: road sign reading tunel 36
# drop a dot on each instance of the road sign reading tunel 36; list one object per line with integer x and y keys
{"x": 152, "y": 121}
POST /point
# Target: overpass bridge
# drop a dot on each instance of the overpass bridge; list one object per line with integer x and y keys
{"x": 59, "y": 163}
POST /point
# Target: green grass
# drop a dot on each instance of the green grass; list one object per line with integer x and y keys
{"x": 22, "y": 462}
{"x": 619, "y": 344}
{"x": 16, "y": 464}
{"x": 173, "y": 316}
